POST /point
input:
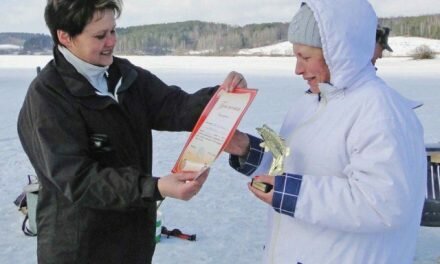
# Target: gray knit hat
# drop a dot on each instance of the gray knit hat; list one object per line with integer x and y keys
{"x": 303, "y": 29}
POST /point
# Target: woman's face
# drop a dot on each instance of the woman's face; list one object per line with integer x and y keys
{"x": 378, "y": 51}
{"x": 311, "y": 65}
{"x": 96, "y": 43}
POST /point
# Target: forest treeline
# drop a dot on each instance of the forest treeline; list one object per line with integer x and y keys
{"x": 420, "y": 26}
{"x": 204, "y": 38}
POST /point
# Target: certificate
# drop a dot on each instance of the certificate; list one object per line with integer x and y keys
{"x": 214, "y": 129}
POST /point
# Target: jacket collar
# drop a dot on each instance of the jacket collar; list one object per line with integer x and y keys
{"x": 96, "y": 75}
{"x": 330, "y": 91}
{"x": 79, "y": 86}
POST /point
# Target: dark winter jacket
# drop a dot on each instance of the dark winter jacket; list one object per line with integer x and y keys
{"x": 93, "y": 156}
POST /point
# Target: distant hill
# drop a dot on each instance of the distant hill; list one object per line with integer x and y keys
{"x": 402, "y": 47}
{"x": 28, "y": 43}
{"x": 15, "y": 38}
{"x": 203, "y": 38}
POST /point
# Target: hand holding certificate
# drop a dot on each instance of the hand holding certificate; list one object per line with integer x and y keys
{"x": 214, "y": 128}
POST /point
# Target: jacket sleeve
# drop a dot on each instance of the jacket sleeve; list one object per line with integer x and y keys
{"x": 170, "y": 107}
{"x": 382, "y": 188}
{"x": 55, "y": 139}
{"x": 249, "y": 164}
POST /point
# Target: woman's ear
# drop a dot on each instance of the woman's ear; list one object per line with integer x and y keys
{"x": 64, "y": 38}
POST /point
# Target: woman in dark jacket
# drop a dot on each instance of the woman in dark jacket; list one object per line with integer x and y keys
{"x": 86, "y": 127}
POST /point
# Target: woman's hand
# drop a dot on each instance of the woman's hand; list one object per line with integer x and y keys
{"x": 239, "y": 144}
{"x": 234, "y": 80}
{"x": 265, "y": 197}
{"x": 182, "y": 185}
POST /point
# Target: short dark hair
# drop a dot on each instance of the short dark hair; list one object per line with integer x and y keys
{"x": 72, "y": 16}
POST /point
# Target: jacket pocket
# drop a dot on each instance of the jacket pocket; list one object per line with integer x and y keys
{"x": 99, "y": 143}
{"x": 101, "y": 149}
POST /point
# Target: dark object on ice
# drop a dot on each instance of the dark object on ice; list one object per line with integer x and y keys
{"x": 177, "y": 233}
{"x": 431, "y": 209}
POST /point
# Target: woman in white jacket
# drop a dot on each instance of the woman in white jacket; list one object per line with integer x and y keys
{"x": 353, "y": 186}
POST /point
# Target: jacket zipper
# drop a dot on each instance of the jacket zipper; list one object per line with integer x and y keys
{"x": 322, "y": 103}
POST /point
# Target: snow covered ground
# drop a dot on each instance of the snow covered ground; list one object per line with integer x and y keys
{"x": 402, "y": 47}
{"x": 228, "y": 220}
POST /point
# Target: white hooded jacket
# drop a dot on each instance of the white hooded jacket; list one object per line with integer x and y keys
{"x": 360, "y": 153}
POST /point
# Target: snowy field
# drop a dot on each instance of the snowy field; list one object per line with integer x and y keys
{"x": 228, "y": 220}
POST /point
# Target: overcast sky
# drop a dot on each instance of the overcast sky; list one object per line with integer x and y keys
{"x": 27, "y": 15}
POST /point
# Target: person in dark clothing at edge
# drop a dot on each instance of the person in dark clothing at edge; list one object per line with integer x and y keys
{"x": 86, "y": 127}
{"x": 382, "y": 34}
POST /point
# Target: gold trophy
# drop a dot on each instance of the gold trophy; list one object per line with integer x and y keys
{"x": 274, "y": 143}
